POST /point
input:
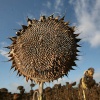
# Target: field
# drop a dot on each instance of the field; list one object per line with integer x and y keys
{"x": 58, "y": 92}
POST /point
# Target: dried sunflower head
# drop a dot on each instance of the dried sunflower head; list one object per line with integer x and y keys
{"x": 45, "y": 49}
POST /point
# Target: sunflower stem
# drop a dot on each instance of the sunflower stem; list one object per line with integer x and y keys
{"x": 40, "y": 97}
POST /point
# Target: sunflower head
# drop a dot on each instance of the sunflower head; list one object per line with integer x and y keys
{"x": 45, "y": 49}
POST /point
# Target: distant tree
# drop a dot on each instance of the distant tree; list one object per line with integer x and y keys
{"x": 3, "y": 90}
{"x": 21, "y": 89}
{"x": 32, "y": 85}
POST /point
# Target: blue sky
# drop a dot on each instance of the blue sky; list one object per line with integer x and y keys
{"x": 84, "y": 14}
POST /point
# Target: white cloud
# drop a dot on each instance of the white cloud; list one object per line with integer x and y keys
{"x": 96, "y": 40}
{"x": 20, "y": 23}
{"x": 2, "y": 44}
{"x": 58, "y": 6}
{"x": 26, "y": 85}
{"x": 43, "y": 13}
{"x": 97, "y": 76}
{"x": 58, "y": 2}
{"x": 13, "y": 87}
{"x": 30, "y": 15}
{"x": 62, "y": 81}
{"x": 88, "y": 17}
{"x": 3, "y": 52}
{"x": 47, "y": 4}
